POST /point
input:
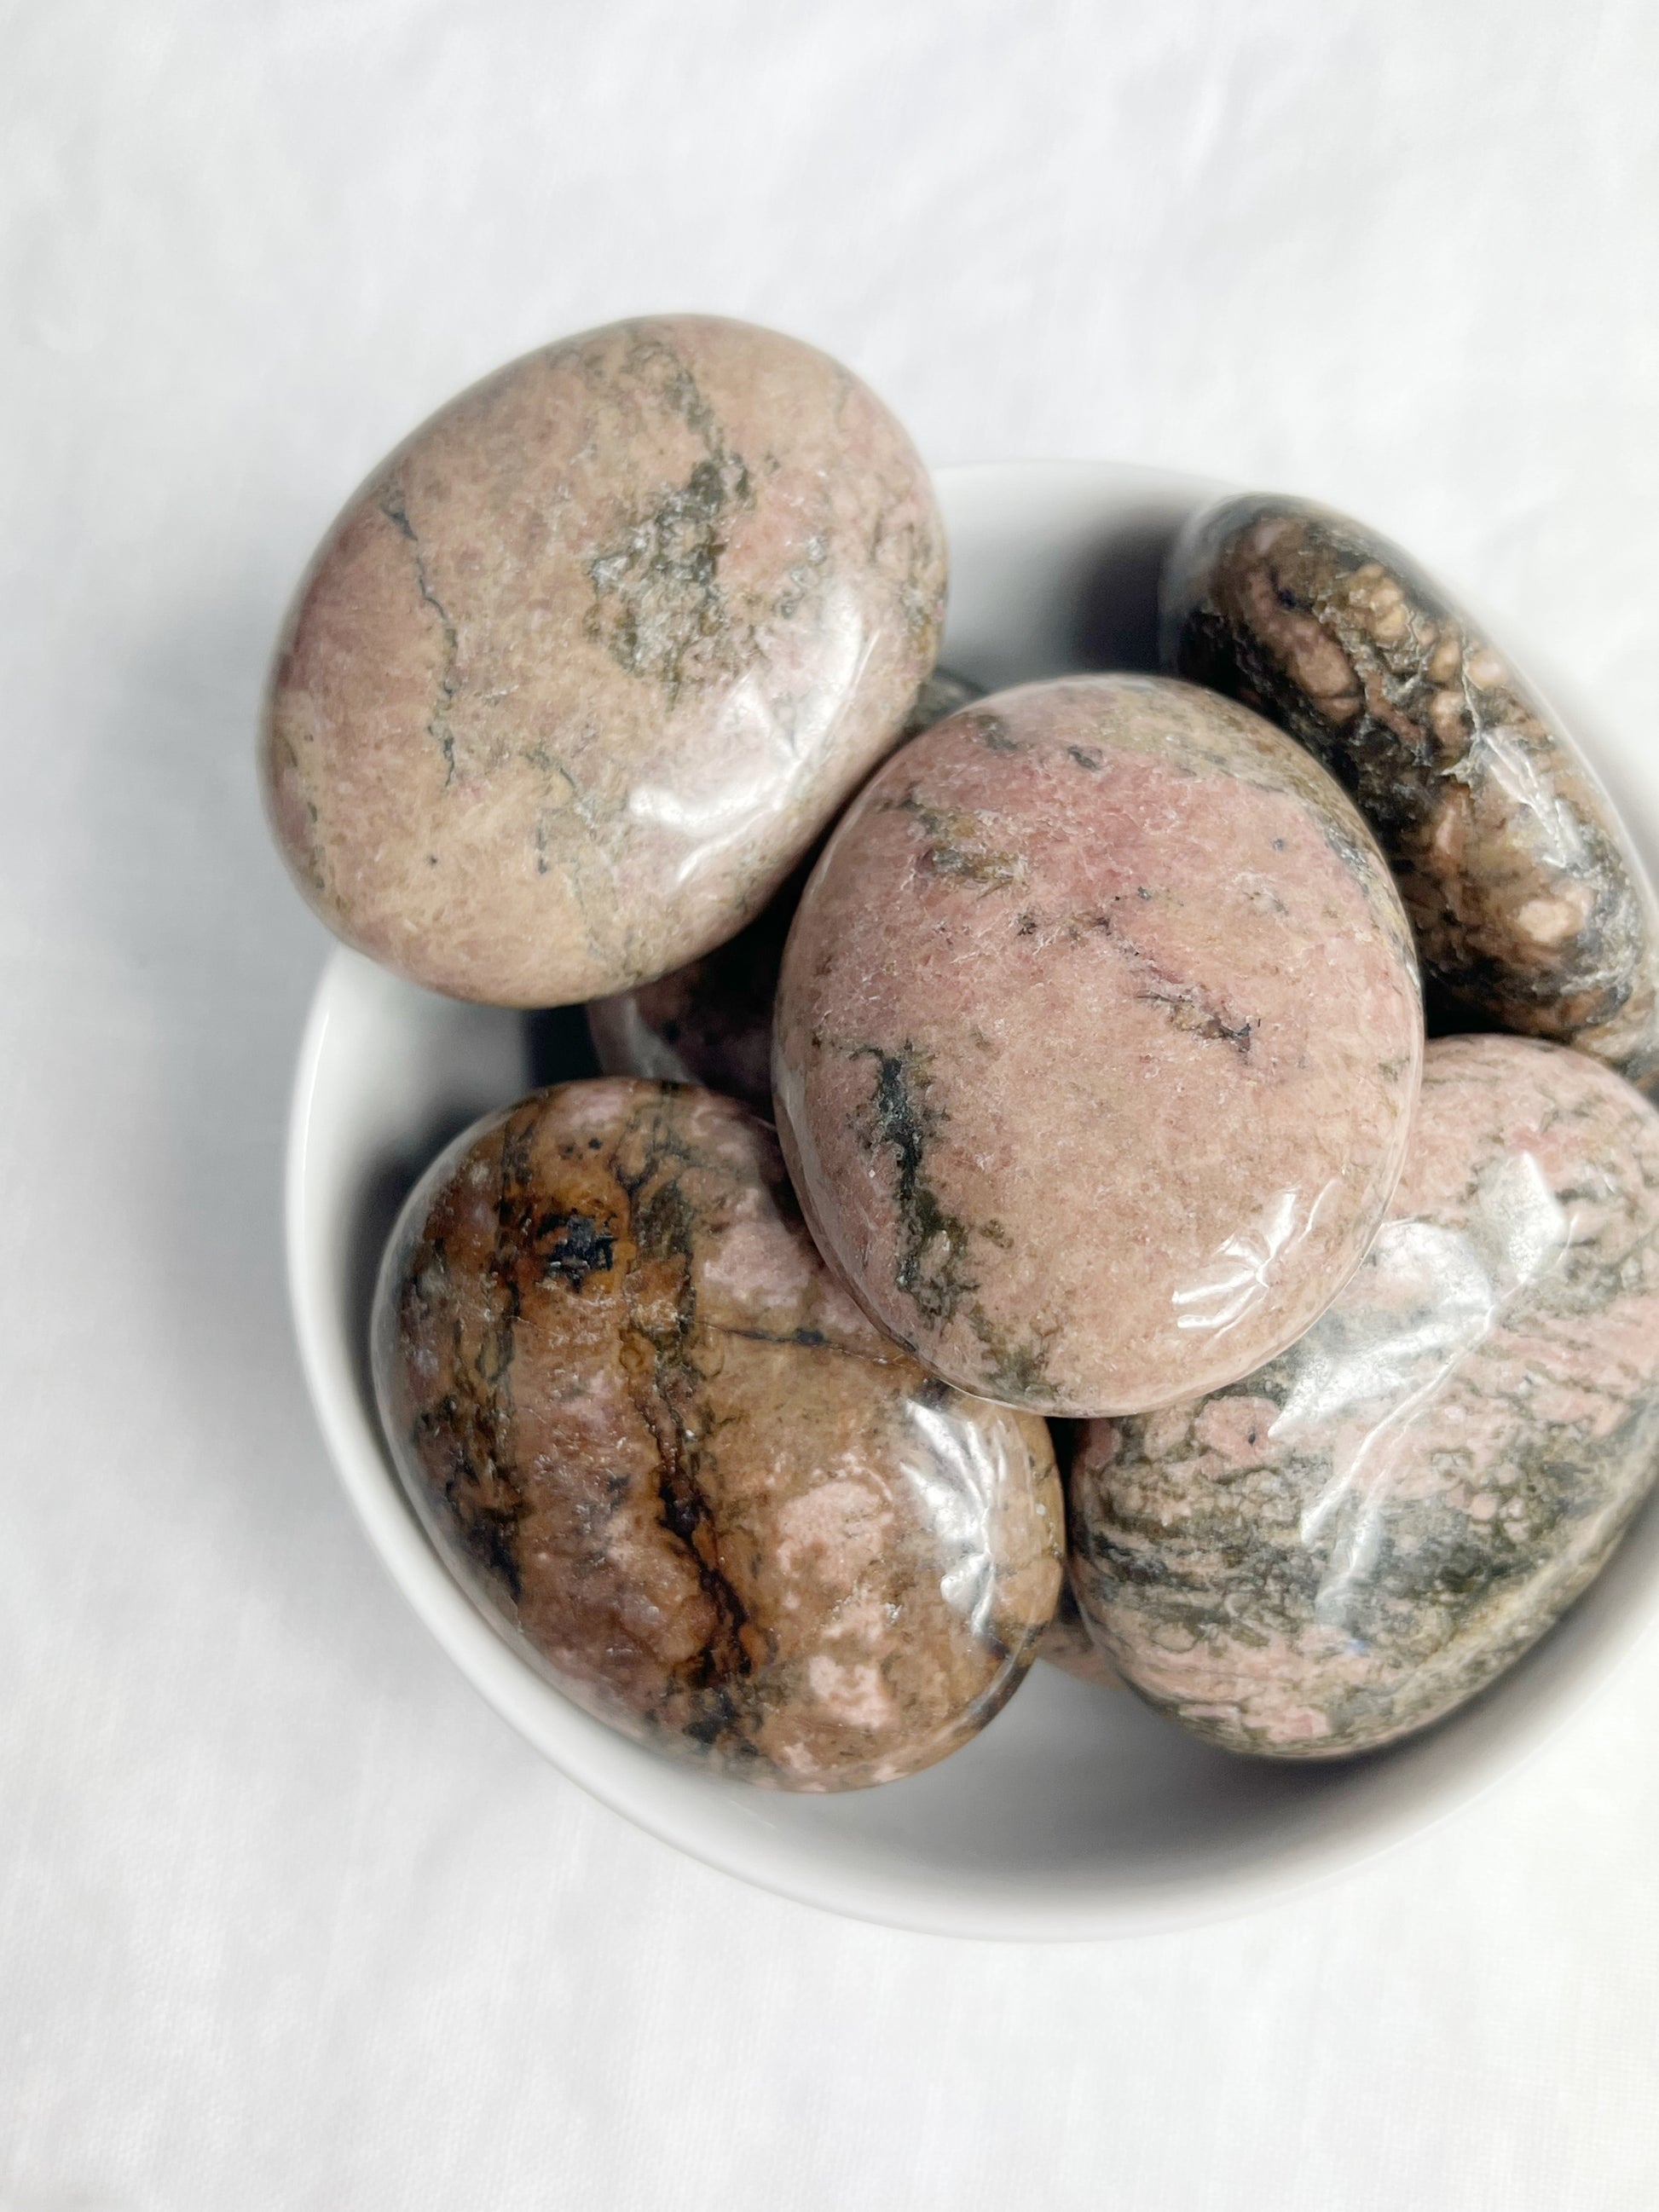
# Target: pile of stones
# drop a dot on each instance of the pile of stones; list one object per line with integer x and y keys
{"x": 1023, "y": 1208}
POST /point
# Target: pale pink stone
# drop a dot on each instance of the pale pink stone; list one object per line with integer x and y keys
{"x": 587, "y": 664}
{"x": 1097, "y": 1042}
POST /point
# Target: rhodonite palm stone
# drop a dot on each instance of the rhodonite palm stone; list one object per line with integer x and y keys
{"x": 1532, "y": 912}
{"x": 677, "y": 1465}
{"x": 589, "y": 662}
{"x": 1096, "y": 1043}
{"x": 711, "y": 1021}
{"x": 1351, "y": 1542}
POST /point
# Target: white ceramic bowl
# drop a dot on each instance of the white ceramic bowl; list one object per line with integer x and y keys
{"x": 1077, "y": 1812}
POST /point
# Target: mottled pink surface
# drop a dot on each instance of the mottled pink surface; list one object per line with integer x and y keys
{"x": 1097, "y": 1042}
{"x": 589, "y": 661}
{"x": 1353, "y": 1540}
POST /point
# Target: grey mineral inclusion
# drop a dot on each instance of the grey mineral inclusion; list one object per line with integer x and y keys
{"x": 1358, "y": 1538}
{"x": 1531, "y": 909}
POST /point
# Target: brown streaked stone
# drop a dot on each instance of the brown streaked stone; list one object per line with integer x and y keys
{"x": 660, "y": 1444}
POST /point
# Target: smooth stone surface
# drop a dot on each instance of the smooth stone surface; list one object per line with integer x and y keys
{"x": 588, "y": 664}
{"x": 1349, "y": 1543}
{"x": 1076, "y": 1813}
{"x": 1532, "y": 912}
{"x": 1096, "y": 1043}
{"x": 652, "y": 1436}
{"x": 711, "y": 1021}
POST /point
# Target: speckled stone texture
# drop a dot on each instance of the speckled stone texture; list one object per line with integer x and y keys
{"x": 1349, "y": 1543}
{"x": 1532, "y": 913}
{"x": 711, "y": 1021}
{"x": 588, "y": 664}
{"x": 655, "y": 1439}
{"x": 1096, "y": 1043}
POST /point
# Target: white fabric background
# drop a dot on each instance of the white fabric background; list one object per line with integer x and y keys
{"x": 287, "y": 1919}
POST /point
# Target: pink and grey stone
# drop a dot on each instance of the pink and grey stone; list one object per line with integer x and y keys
{"x": 1096, "y": 1043}
{"x": 711, "y": 1021}
{"x": 1349, "y": 1543}
{"x": 1532, "y": 911}
{"x": 592, "y": 658}
{"x": 681, "y": 1470}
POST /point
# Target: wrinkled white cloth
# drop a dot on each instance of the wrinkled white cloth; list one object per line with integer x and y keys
{"x": 287, "y": 1918}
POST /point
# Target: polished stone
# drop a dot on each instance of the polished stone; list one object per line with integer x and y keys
{"x": 1353, "y": 1541}
{"x": 671, "y": 1456}
{"x": 1531, "y": 911}
{"x": 591, "y": 659}
{"x": 711, "y": 1021}
{"x": 1096, "y": 1043}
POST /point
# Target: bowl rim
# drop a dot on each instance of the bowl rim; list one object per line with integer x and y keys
{"x": 633, "y": 1781}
